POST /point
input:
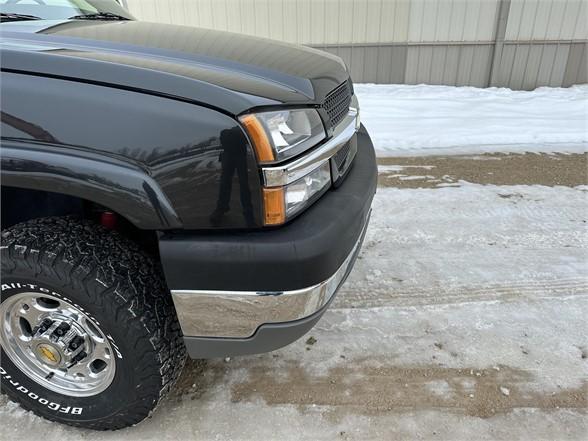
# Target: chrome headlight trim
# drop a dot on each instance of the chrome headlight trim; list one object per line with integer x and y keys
{"x": 277, "y": 176}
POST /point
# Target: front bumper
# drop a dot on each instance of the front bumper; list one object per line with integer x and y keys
{"x": 252, "y": 282}
{"x": 240, "y": 313}
{"x": 280, "y": 318}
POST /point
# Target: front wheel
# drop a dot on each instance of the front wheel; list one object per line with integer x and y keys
{"x": 88, "y": 332}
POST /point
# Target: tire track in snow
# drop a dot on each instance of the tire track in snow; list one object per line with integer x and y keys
{"x": 474, "y": 243}
{"x": 541, "y": 289}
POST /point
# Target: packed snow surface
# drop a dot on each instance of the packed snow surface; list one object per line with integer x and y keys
{"x": 464, "y": 318}
{"x": 415, "y": 120}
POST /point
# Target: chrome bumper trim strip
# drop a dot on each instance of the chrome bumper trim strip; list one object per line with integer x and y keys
{"x": 238, "y": 314}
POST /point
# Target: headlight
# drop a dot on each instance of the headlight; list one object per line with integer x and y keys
{"x": 281, "y": 203}
{"x": 306, "y": 190}
{"x": 282, "y": 134}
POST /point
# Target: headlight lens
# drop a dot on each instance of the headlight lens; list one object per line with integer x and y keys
{"x": 282, "y": 203}
{"x": 308, "y": 189}
{"x": 282, "y": 134}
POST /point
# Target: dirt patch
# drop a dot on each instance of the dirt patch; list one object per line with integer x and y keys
{"x": 498, "y": 169}
{"x": 198, "y": 377}
{"x": 375, "y": 387}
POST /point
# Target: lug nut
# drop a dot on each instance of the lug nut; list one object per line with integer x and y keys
{"x": 81, "y": 355}
{"x": 45, "y": 324}
{"x": 61, "y": 330}
{"x": 77, "y": 341}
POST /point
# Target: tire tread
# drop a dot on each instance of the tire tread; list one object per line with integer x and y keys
{"x": 113, "y": 272}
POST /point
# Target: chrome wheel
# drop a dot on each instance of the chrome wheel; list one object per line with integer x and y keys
{"x": 55, "y": 344}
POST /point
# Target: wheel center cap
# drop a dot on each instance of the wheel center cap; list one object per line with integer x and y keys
{"x": 48, "y": 354}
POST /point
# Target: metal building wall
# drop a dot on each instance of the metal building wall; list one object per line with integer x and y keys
{"x": 520, "y": 44}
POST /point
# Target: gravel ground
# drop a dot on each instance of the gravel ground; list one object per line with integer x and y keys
{"x": 464, "y": 318}
{"x": 497, "y": 169}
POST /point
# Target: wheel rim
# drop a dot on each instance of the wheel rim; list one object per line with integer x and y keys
{"x": 55, "y": 344}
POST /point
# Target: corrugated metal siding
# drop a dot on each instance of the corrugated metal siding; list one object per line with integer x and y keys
{"x": 451, "y": 65}
{"x": 323, "y": 22}
{"x": 577, "y": 66}
{"x": 459, "y": 20}
{"x": 547, "y": 20}
{"x": 525, "y": 66}
{"x": 457, "y": 42}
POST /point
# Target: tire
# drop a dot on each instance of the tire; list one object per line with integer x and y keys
{"x": 120, "y": 290}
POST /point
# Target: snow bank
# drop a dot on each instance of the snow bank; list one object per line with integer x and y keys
{"x": 420, "y": 120}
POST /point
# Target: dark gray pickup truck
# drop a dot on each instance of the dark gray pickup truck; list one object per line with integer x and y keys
{"x": 166, "y": 191}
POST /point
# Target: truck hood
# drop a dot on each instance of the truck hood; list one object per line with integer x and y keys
{"x": 224, "y": 70}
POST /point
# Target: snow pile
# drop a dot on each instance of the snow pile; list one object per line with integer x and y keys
{"x": 409, "y": 120}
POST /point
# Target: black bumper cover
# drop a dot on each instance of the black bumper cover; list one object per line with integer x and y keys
{"x": 301, "y": 254}
{"x": 298, "y": 255}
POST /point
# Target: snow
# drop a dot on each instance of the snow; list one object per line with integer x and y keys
{"x": 415, "y": 120}
{"x": 472, "y": 243}
{"x": 462, "y": 303}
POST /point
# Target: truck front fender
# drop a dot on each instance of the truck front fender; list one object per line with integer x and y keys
{"x": 117, "y": 185}
{"x": 160, "y": 162}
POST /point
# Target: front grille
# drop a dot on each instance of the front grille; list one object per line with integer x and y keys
{"x": 341, "y": 156}
{"x": 337, "y": 103}
{"x": 342, "y": 161}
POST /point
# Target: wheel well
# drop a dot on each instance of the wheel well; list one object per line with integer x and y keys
{"x": 21, "y": 204}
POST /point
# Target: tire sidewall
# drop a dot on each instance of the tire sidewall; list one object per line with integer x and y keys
{"x": 120, "y": 394}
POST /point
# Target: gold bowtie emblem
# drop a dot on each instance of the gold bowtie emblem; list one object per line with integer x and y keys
{"x": 48, "y": 353}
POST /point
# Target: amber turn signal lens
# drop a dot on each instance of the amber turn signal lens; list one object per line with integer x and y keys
{"x": 261, "y": 143}
{"x": 274, "y": 206}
